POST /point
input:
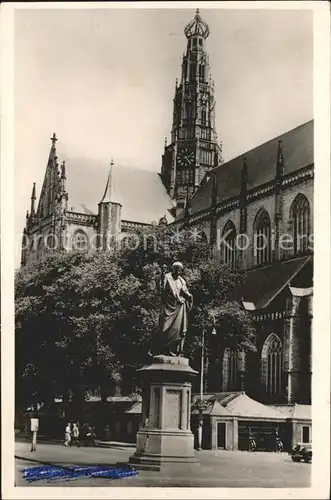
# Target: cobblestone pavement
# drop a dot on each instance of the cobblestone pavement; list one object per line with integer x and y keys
{"x": 217, "y": 468}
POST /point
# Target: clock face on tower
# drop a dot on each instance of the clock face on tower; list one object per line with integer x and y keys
{"x": 185, "y": 157}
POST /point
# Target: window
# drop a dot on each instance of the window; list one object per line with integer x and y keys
{"x": 203, "y": 116}
{"x": 300, "y": 215}
{"x": 229, "y": 244}
{"x": 191, "y": 176}
{"x": 272, "y": 366}
{"x": 262, "y": 236}
{"x": 80, "y": 241}
{"x": 51, "y": 242}
{"x": 200, "y": 42}
{"x": 305, "y": 434}
{"x": 193, "y": 71}
{"x": 230, "y": 370}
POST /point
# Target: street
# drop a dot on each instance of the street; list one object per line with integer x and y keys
{"x": 217, "y": 468}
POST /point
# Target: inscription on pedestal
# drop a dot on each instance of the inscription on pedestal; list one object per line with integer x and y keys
{"x": 173, "y": 409}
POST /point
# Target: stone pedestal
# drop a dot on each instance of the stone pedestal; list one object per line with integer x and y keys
{"x": 165, "y": 439}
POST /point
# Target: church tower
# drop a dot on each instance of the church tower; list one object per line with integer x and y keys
{"x": 194, "y": 149}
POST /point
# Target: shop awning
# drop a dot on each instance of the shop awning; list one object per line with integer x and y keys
{"x": 262, "y": 285}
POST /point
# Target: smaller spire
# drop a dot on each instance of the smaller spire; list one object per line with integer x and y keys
{"x": 33, "y": 199}
{"x": 280, "y": 160}
{"x": 244, "y": 174}
{"x": 108, "y": 196}
{"x": 63, "y": 170}
{"x": 33, "y": 195}
{"x": 214, "y": 190}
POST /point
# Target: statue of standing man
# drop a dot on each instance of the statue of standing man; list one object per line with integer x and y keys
{"x": 176, "y": 301}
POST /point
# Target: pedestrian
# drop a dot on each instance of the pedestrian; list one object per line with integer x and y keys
{"x": 67, "y": 435}
{"x": 90, "y": 436}
{"x": 75, "y": 435}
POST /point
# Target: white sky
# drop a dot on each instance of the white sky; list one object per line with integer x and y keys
{"x": 103, "y": 80}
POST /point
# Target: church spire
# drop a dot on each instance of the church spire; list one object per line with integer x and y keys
{"x": 194, "y": 148}
{"x": 51, "y": 185}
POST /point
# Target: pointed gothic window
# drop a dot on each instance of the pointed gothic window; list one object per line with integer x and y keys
{"x": 300, "y": 215}
{"x": 80, "y": 241}
{"x": 229, "y": 370}
{"x": 228, "y": 243}
{"x": 234, "y": 362}
{"x": 203, "y": 116}
{"x": 272, "y": 366}
{"x": 40, "y": 246}
{"x": 262, "y": 238}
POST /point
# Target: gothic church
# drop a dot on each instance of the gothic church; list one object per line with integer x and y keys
{"x": 264, "y": 196}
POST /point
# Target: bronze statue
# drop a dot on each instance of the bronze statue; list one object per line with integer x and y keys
{"x": 176, "y": 301}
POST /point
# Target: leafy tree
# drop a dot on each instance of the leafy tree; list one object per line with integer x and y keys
{"x": 84, "y": 322}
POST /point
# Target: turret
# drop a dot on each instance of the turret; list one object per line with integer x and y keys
{"x": 280, "y": 168}
{"x": 109, "y": 215}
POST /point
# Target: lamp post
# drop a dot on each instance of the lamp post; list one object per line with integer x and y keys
{"x": 202, "y": 404}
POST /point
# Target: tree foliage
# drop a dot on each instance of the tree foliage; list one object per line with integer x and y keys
{"x": 84, "y": 322}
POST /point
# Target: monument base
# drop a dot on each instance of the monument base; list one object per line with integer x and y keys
{"x": 165, "y": 440}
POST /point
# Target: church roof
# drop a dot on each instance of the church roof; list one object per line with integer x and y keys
{"x": 297, "y": 146}
{"x": 141, "y": 193}
{"x": 262, "y": 285}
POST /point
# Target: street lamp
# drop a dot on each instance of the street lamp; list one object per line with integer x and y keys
{"x": 202, "y": 404}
